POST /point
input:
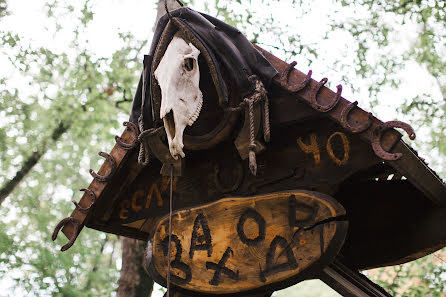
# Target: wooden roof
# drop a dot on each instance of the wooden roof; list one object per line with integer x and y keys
{"x": 396, "y": 208}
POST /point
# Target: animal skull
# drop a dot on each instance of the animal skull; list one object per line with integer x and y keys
{"x": 181, "y": 99}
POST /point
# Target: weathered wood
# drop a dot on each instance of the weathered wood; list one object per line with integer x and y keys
{"x": 405, "y": 225}
{"x": 349, "y": 282}
{"x": 334, "y": 156}
{"x": 415, "y": 170}
{"x": 325, "y": 97}
{"x": 120, "y": 156}
{"x": 308, "y": 150}
{"x": 238, "y": 245}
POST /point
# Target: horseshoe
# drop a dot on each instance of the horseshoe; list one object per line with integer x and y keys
{"x": 92, "y": 198}
{"x": 128, "y": 146}
{"x": 59, "y": 226}
{"x": 105, "y": 178}
{"x": 377, "y": 133}
{"x": 298, "y": 86}
{"x": 359, "y": 128}
{"x": 330, "y": 106}
{"x": 238, "y": 174}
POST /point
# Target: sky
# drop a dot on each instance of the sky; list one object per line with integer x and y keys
{"x": 136, "y": 16}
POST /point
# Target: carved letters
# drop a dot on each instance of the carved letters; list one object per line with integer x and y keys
{"x": 142, "y": 199}
{"x": 242, "y": 244}
{"x": 260, "y": 221}
{"x": 203, "y": 241}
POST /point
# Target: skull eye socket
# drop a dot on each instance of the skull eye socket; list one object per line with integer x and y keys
{"x": 189, "y": 64}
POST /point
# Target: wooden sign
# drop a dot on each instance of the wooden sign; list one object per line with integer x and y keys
{"x": 236, "y": 245}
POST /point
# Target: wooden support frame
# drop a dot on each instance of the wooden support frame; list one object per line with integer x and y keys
{"x": 349, "y": 282}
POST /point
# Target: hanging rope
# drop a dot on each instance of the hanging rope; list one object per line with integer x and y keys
{"x": 257, "y": 96}
{"x": 169, "y": 249}
{"x": 252, "y": 144}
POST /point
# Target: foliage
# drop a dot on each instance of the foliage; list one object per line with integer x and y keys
{"x": 425, "y": 277}
{"x": 391, "y": 38}
{"x": 86, "y": 93}
{"x": 3, "y": 8}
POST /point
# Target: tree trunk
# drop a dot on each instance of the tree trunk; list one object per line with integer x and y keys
{"x": 134, "y": 281}
{"x": 31, "y": 161}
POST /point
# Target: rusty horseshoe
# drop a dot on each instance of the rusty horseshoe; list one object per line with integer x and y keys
{"x": 59, "y": 226}
{"x": 92, "y": 197}
{"x": 105, "y": 178}
{"x": 360, "y": 128}
{"x": 298, "y": 86}
{"x": 128, "y": 146}
{"x": 377, "y": 133}
{"x": 330, "y": 106}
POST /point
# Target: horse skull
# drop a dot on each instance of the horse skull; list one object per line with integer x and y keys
{"x": 181, "y": 99}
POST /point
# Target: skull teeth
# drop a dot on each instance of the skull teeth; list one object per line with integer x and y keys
{"x": 194, "y": 117}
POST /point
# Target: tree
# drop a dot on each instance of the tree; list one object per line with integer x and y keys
{"x": 59, "y": 108}
{"x": 48, "y": 135}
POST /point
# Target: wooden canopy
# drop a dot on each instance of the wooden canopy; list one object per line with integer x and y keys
{"x": 395, "y": 207}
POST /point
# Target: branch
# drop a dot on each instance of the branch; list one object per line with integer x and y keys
{"x": 31, "y": 161}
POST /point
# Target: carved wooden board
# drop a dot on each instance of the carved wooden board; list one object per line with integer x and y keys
{"x": 236, "y": 245}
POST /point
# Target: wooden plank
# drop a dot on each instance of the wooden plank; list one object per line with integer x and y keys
{"x": 97, "y": 187}
{"x": 391, "y": 222}
{"x": 349, "y": 282}
{"x": 334, "y": 156}
{"x": 419, "y": 174}
{"x": 249, "y": 244}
